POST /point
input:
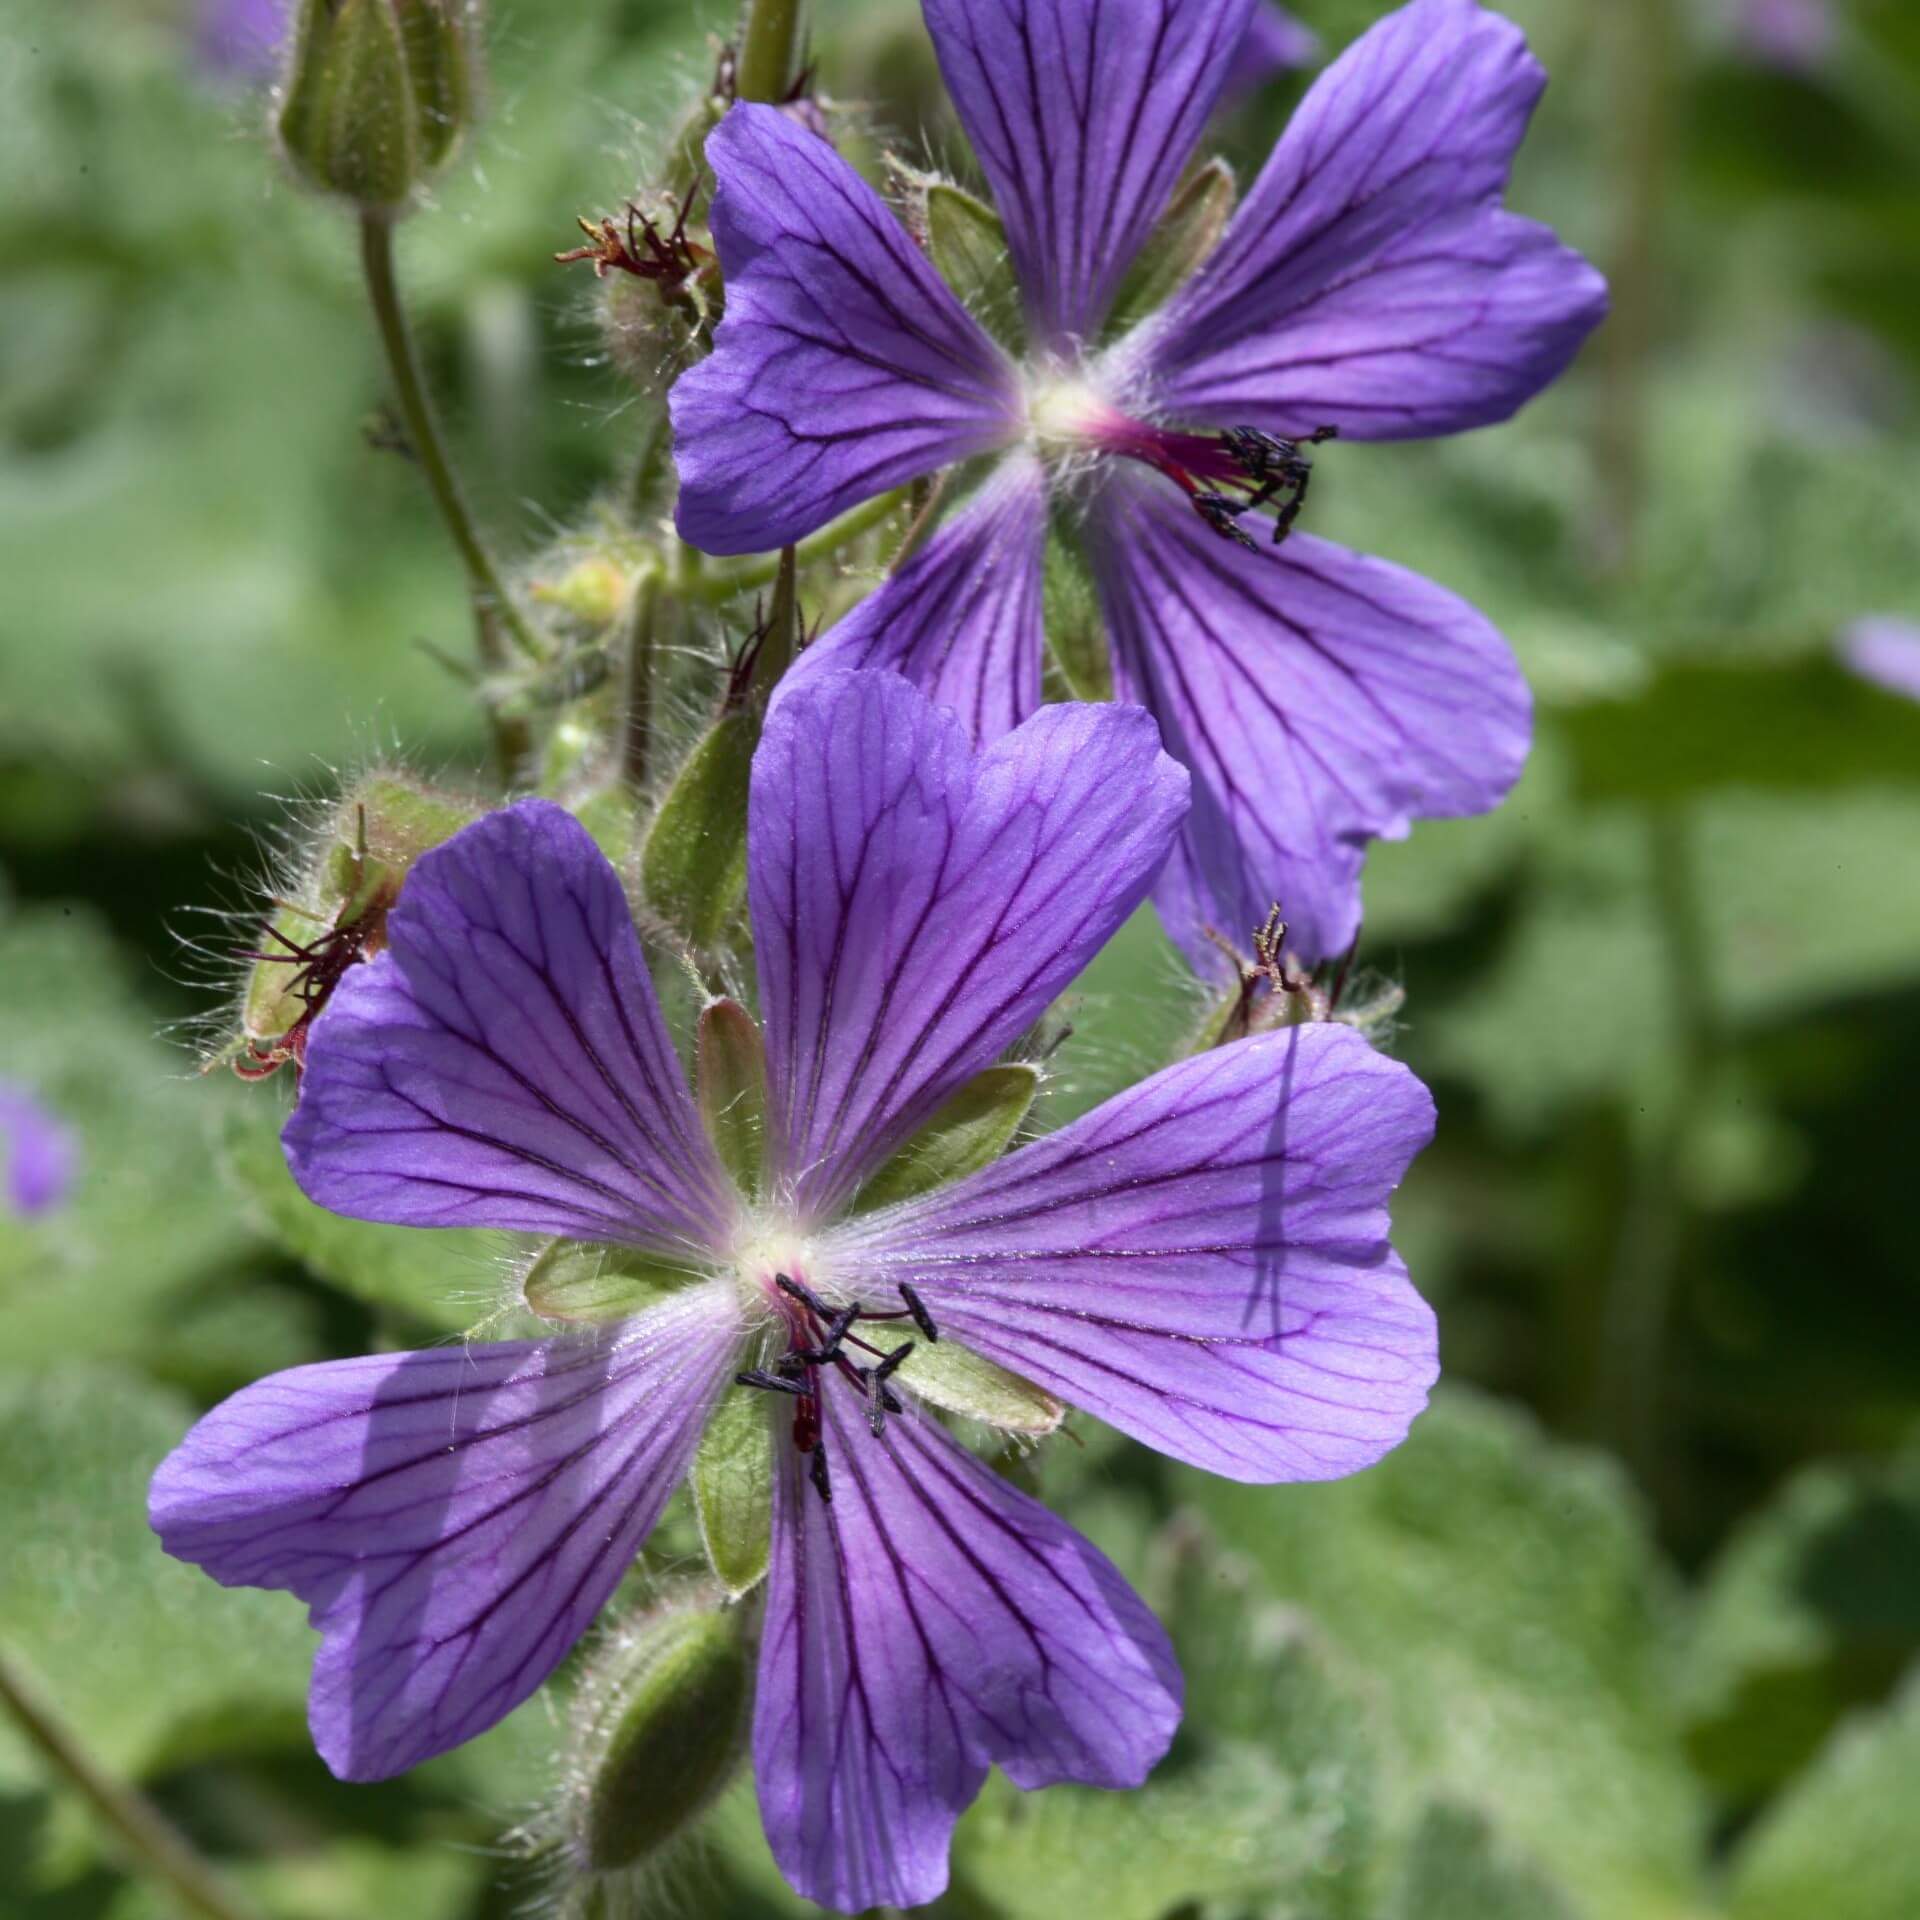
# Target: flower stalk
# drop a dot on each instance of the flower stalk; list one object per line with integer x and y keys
{"x": 496, "y": 619}
{"x": 152, "y": 1843}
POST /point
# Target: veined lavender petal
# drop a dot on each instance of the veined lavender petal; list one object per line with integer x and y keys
{"x": 930, "y": 1621}
{"x": 962, "y": 619}
{"x": 844, "y": 364}
{"x": 1082, "y": 113}
{"x": 37, "y": 1152}
{"x": 1371, "y": 281}
{"x": 1275, "y": 43}
{"x": 915, "y": 908}
{"x": 1885, "y": 651}
{"x": 503, "y": 1063}
{"x": 1319, "y": 698}
{"x": 1202, "y": 1261}
{"x": 454, "y": 1519}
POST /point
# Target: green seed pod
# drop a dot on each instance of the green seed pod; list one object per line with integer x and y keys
{"x": 378, "y": 94}
{"x": 664, "y": 1726}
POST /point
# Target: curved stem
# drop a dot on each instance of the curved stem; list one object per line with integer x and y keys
{"x": 764, "y": 70}
{"x": 728, "y": 581}
{"x": 496, "y": 619}
{"x": 154, "y": 1845}
{"x": 636, "y": 747}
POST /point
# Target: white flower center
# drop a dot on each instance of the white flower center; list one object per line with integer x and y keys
{"x": 1064, "y": 412}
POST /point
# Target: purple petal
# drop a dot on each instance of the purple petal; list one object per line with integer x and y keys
{"x": 1885, "y": 651}
{"x": 1275, "y": 43}
{"x": 1370, "y": 281}
{"x": 454, "y": 1519}
{"x": 915, "y": 909}
{"x": 929, "y": 1622}
{"x": 1796, "y": 36}
{"x": 1202, "y": 1261}
{"x": 503, "y": 1063}
{"x": 241, "y": 37}
{"x": 37, "y": 1152}
{"x": 1319, "y": 699}
{"x": 962, "y": 618}
{"x": 1083, "y": 113}
{"x": 843, "y": 366}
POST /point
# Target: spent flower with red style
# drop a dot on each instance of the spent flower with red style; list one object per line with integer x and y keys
{"x": 1370, "y": 283}
{"x": 1203, "y": 1262}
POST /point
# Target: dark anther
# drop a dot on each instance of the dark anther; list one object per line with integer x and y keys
{"x": 804, "y": 1294}
{"x": 921, "y": 1317}
{"x": 1277, "y": 470}
{"x": 817, "y": 1473}
{"x": 881, "y": 1401}
{"x": 1222, "y": 515}
{"x": 769, "y": 1382}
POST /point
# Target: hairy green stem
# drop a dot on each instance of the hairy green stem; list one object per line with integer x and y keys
{"x": 636, "y": 740}
{"x": 728, "y": 580}
{"x": 152, "y": 1843}
{"x": 1651, "y": 1248}
{"x": 496, "y": 619}
{"x": 764, "y": 69}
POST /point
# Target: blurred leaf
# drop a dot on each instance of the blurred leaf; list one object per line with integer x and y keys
{"x": 1843, "y": 1842}
{"x": 141, "y": 1655}
{"x": 1502, "y": 1599}
{"x": 147, "y": 1221}
{"x": 1454, "y": 1871}
{"x": 341, "y": 1878}
{"x": 1813, "y": 1607}
{"x": 448, "y": 1279}
{"x": 1800, "y": 724}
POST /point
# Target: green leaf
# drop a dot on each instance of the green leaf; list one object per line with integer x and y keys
{"x": 1455, "y": 1870}
{"x": 337, "y": 1878}
{"x": 693, "y": 867}
{"x": 1187, "y": 232}
{"x": 142, "y": 1656}
{"x": 147, "y": 1226}
{"x": 592, "y": 1283}
{"x": 1843, "y": 1842}
{"x": 733, "y": 1489}
{"x": 1501, "y": 1595}
{"x": 1804, "y": 725}
{"x": 1810, "y": 1609}
{"x": 969, "y": 245}
{"x": 970, "y": 1131}
{"x": 450, "y": 1279}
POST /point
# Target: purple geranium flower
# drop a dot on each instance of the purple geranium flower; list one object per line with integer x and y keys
{"x": 1275, "y": 43}
{"x": 1370, "y": 282}
{"x": 1886, "y": 651}
{"x": 36, "y": 1153}
{"x": 1202, "y": 1261}
{"x": 1794, "y": 35}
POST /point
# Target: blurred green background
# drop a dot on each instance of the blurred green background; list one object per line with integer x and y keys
{"x": 1626, "y": 1631}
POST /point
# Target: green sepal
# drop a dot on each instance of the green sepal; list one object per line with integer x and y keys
{"x": 971, "y": 1130}
{"x": 586, "y": 1282}
{"x": 966, "y": 241}
{"x": 612, "y": 817}
{"x": 376, "y": 832}
{"x": 693, "y": 868}
{"x": 951, "y": 1377}
{"x": 1187, "y": 232}
{"x": 733, "y": 1488}
{"x": 730, "y": 1072}
{"x": 377, "y": 95}
{"x": 669, "y": 1731}
{"x": 1076, "y": 629}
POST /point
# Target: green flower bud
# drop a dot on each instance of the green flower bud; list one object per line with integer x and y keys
{"x": 335, "y": 914}
{"x": 378, "y": 94}
{"x": 661, "y": 1727}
